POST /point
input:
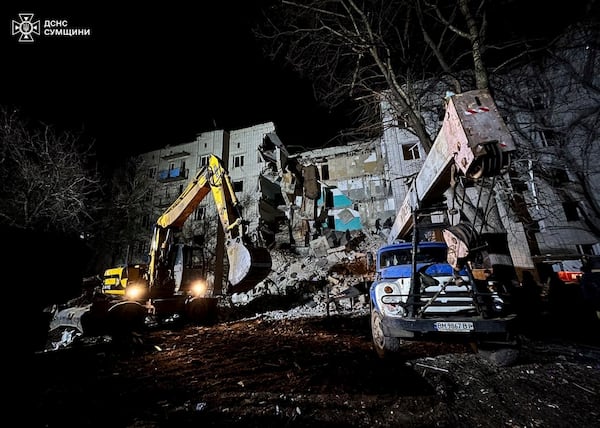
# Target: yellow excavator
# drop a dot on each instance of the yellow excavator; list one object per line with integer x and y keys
{"x": 173, "y": 286}
{"x": 170, "y": 287}
{"x": 248, "y": 263}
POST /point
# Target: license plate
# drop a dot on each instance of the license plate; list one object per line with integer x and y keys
{"x": 454, "y": 326}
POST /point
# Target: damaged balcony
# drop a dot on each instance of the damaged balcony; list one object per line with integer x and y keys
{"x": 173, "y": 174}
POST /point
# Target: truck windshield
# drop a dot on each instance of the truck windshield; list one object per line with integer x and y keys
{"x": 397, "y": 257}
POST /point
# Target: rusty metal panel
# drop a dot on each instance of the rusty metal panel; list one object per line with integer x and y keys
{"x": 480, "y": 119}
{"x": 473, "y": 127}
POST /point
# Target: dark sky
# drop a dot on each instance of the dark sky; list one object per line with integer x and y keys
{"x": 154, "y": 75}
{"x": 158, "y": 74}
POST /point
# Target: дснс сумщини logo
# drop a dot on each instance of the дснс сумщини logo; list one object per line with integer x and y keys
{"x": 26, "y": 27}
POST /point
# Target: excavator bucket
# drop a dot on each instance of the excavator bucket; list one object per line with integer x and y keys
{"x": 247, "y": 266}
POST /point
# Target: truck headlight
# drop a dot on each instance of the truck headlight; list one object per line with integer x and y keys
{"x": 392, "y": 299}
{"x": 394, "y": 305}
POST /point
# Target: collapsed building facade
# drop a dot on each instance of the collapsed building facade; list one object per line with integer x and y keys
{"x": 313, "y": 205}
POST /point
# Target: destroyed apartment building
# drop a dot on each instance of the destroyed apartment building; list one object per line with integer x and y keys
{"x": 323, "y": 192}
{"x": 313, "y": 211}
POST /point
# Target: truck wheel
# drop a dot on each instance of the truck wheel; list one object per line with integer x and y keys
{"x": 385, "y": 346}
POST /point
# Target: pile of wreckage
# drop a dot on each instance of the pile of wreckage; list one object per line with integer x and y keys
{"x": 332, "y": 273}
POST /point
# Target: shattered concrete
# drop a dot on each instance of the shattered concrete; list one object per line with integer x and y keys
{"x": 332, "y": 278}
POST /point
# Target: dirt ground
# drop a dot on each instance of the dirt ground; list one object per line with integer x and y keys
{"x": 310, "y": 372}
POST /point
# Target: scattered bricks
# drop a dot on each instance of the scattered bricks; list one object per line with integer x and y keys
{"x": 319, "y": 246}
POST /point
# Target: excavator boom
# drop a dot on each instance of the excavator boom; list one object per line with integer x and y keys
{"x": 248, "y": 264}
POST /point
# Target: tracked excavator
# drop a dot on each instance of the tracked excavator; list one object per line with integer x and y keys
{"x": 249, "y": 264}
{"x": 168, "y": 287}
{"x": 446, "y": 272}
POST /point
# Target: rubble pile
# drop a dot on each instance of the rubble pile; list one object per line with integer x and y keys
{"x": 323, "y": 278}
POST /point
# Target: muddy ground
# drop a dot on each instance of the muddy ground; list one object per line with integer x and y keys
{"x": 310, "y": 372}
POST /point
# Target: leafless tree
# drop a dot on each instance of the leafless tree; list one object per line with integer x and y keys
{"x": 49, "y": 181}
{"x": 124, "y": 229}
{"x": 393, "y": 50}
{"x": 553, "y": 105}
{"x": 398, "y": 51}
{"x": 404, "y": 52}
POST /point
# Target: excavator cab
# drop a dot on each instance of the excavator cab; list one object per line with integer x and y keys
{"x": 115, "y": 280}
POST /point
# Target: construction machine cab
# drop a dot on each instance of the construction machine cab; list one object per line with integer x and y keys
{"x": 116, "y": 280}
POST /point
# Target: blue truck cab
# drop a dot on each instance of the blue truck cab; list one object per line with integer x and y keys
{"x": 434, "y": 303}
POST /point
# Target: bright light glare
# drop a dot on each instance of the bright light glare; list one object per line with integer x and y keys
{"x": 198, "y": 288}
{"x": 134, "y": 292}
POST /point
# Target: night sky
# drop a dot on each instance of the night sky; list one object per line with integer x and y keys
{"x": 154, "y": 75}
{"x": 159, "y": 74}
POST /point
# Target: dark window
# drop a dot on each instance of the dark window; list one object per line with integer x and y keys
{"x": 538, "y": 102}
{"x": 559, "y": 177}
{"x": 520, "y": 186}
{"x": 199, "y": 213}
{"x": 548, "y": 137}
{"x": 330, "y": 222}
{"x": 571, "y": 211}
{"x": 586, "y": 249}
{"x": 328, "y": 198}
{"x": 238, "y": 161}
{"x": 410, "y": 151}
{"x": 238, "y": 186}
{"x": 325, "y": 171}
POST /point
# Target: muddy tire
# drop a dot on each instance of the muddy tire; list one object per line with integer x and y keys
{"x": 385, "y": 346}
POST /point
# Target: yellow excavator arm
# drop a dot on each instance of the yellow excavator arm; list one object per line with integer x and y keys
{"x": 248, "y": 264}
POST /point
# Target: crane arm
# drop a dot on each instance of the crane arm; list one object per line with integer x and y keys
{"x": 473, "y": 138}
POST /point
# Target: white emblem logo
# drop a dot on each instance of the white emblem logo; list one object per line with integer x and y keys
{"x": 26, "y": 27}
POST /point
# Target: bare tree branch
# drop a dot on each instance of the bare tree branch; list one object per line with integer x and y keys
{"x": 49, "y": 179}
